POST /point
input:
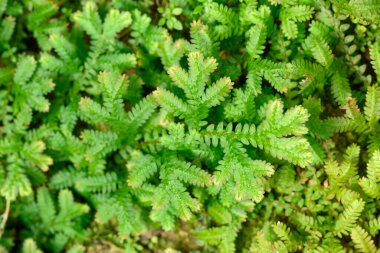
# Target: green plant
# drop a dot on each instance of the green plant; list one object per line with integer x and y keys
{"x": 189, "y": 126}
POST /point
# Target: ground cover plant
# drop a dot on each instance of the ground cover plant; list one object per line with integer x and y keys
{"x": 189, "y": 126}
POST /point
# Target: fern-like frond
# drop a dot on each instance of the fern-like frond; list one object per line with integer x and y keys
{"x": 223, "y": 237}
{"x": 320, "y": 50}
{"x": 200, "y": 39}
{"x": 141, "y": 167}
{"x": 104, "y": 183}
{"x": 139, "y": 114}
{"x": 372, "y": 105}
{"x": 340, "y": 88}
{"x": 217, "y": 92}
{"x": 375, "y": 58}
{"x": 284, "y": 233}
{"x": 374, "y": 225}
{"x": 289, "y": 17}
{"x": 281, "y": 124}
{"x": 176, "y": 170}
{"x": 346, "y": 196}
{"x": 89, "y": 20}
{"x": 172, "y": 200}
{"x": 219, "y": 213}
{"x": 370, "y": 184}
{"x": 373, "y": 167}
{"x": 65, "y": 178}
{"x": 121, "y": 206}
{"x": 362, "y": 241}
{"x": 114, "y": 22}
{"x": 45, "y": 205}
{"x": 171, "y": 102}
{"x": 346, "y": 220}
{"x": 256, "y": 40}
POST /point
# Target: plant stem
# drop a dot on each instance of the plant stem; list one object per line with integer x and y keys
{"x": 5, "y": 217}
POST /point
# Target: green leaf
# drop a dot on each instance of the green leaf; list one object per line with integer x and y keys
{"x": 177, "y": 11}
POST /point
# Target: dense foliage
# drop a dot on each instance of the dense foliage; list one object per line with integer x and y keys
{"x": 190, "y": 126}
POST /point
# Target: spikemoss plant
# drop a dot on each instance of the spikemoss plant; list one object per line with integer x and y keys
{"x": 189, "y": 126}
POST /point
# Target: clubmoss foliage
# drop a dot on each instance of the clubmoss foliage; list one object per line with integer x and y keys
{"x": 190, "y": 126}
